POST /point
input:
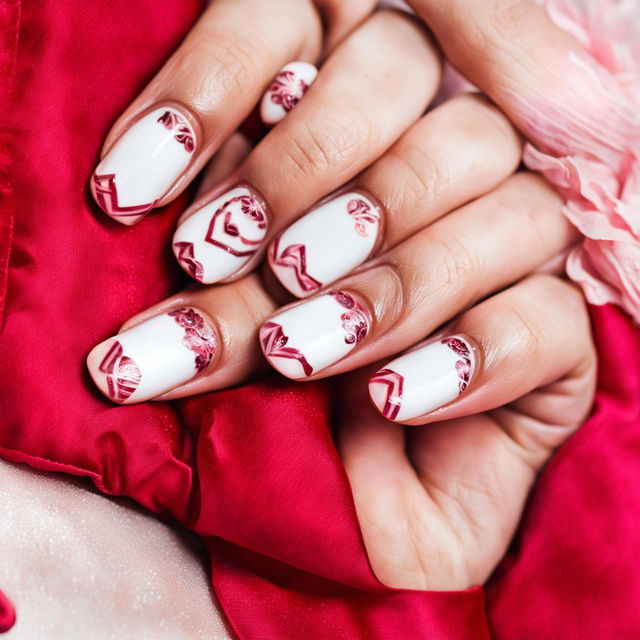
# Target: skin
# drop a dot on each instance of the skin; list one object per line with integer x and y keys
{"x": 437, "y": 505}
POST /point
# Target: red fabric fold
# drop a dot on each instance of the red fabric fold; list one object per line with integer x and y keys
{"x": 253, "y": 470}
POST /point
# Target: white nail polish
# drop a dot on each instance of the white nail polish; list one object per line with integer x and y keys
{"x": 153, "y": 357}
{"x": 310, "y": 336}
{"x": 219, "y": 239}
{"x": 286, "y": 90}
{"x": 143, "y": 164}
{"x": 424, "y": 379}
{"x": 325, "y": 244}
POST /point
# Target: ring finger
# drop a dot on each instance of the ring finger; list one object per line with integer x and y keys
{"x": 357, "y": 107}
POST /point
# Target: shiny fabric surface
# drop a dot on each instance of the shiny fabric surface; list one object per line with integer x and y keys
{"x": 252, "y": 470}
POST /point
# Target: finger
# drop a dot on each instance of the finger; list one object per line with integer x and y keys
{"x": 529, "y": 336}
{"x": 342, "y": 17}
{"x": 198, "y": 99}
{"x": 193, "y": 342}
{"x": 348, "y": 118}
{"x": 410, "y": 290}
{"x": 454, "y": 154}
{"x": 438, "y": 505}
{"x": 514, "y": 52}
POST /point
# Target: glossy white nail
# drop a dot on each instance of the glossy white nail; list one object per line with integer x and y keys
{"x": 310, "y": 336}
{"x": 286, "y": 90}
{"x": 325, "y": 244}
{"x": 143, "y": 164}
{"x": 219, "y": 239}
{"x": 424, "y": 379}
{"x": 154, "y": 357}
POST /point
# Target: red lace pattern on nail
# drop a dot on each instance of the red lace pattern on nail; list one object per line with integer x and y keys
{"x": 122, "y": 373}
{"x": 294, "y": 257}
{"x": 354, "y": 320}
{"x": 106, "y": 195}
{"x": 287, "y": 89}
{"x": 222, "y": 237}
{"x": 394, "y": 384}
{"x": 463, "y": 366}
{"x": 183, "y": 133}
{"x": 186, "y": 257}
{"x": 198, "y": 336}
{"x": 274, "y": 341}
{"x": 363, "y": 214}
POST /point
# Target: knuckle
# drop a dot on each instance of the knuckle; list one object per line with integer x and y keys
{"x": 231, "y": 67}
{"x": 330, "y": 142}
{"x": 456, "y": 265}
{"x": 419, "y": 178}
{"x": 478, "y": 120}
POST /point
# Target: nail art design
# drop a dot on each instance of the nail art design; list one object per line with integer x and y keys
{"x": 325, "y": 244}
{"x": 184, "y": 254}
{"x": 463, "y": 365}
{"x": 219, "y": 239}
{"x": 122, "y": 373}
{"x": 153, "y": 357}
{"x": 312, "y": 335}
{"x": 143, "y": 164}
{"x": 392, "y": 383}
{"x": 423, "y": 379}
{"x": 286, "y": 91}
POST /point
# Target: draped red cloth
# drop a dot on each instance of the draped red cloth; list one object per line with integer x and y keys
{"x": 252, "y": 470}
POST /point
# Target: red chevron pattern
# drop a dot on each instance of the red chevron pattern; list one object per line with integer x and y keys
{"x": 273, "y": 341}
{"x": 123, "y": 374}
{"x": 186, "y": 257}
{"x": 106, "y": 195}
{"x": 394, "y": 384}
{"x": 294, "y": 257}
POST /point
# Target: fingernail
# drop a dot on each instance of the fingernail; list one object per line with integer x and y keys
{"x": 219, "y": 239}
{"x": 143, "y": 164}
{"x": 423, "y": 380}
{"x": 325, "y": 244}
{"x": 154, "y": 357}
{"x": 286, "y": 90}
{"x": 310, "y": 336}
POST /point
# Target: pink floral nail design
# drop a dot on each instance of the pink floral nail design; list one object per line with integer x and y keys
{"x": 364, "y": 215}
{"x": 463, "y": 366}
{"x": 171, "y": 120}
{"x": 354, "y": 320}
{"x": 287, "y": 89}
{"x": 198, "y": 336}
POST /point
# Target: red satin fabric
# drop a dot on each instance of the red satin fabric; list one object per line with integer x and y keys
{"x": 252, "y": 470}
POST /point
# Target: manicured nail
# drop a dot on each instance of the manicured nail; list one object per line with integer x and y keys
{"x": 286, "y": 90}
{"x": 143, "y": 164}
{"x": 219, "y": 239}
{"x": 325, "y": 244}
{"x": 312, "y": 335}
{"x": 154, "y": 357}
{"x": 423, "y": 380}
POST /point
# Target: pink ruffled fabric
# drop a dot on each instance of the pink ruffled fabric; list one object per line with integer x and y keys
{"x": 588, "y": 145}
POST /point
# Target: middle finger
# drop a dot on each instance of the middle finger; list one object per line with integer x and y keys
{"x": 357, "y": 107}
